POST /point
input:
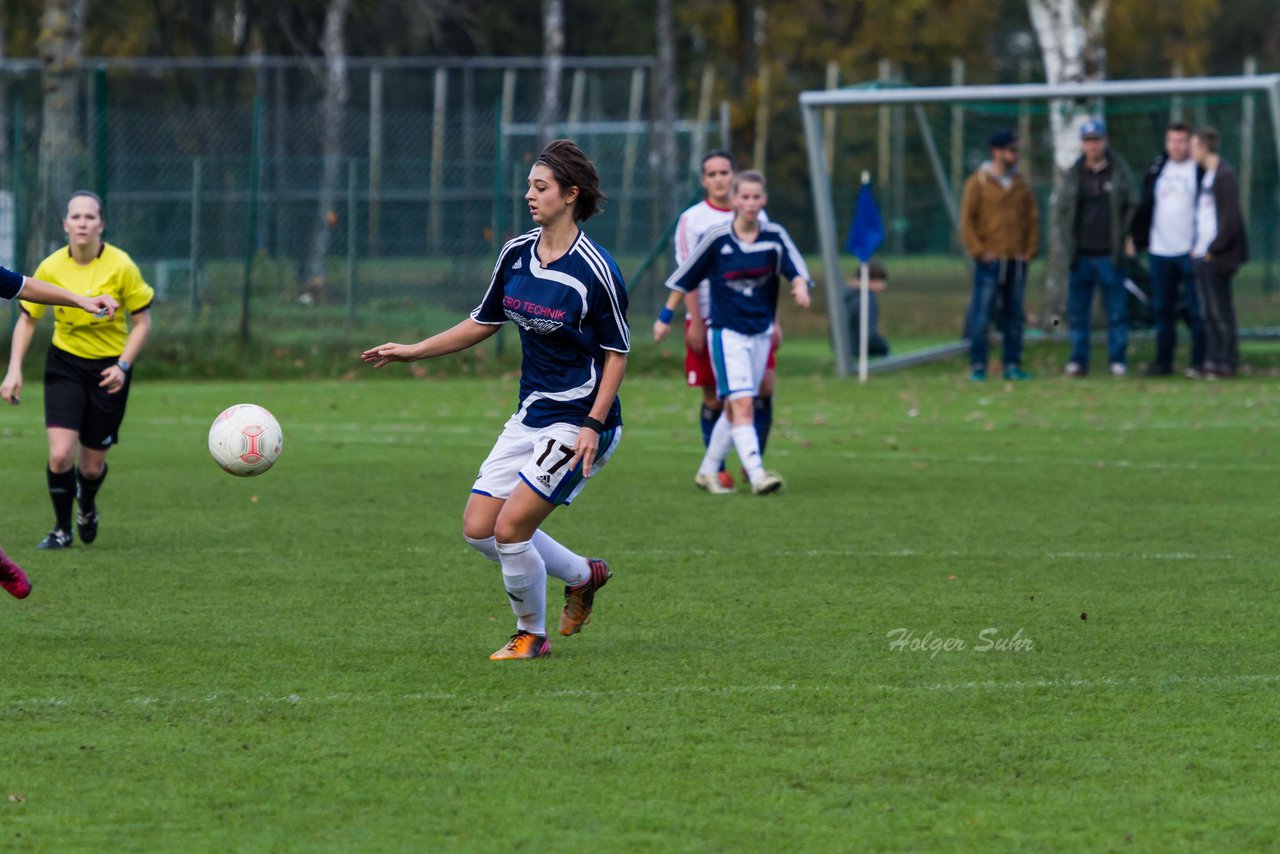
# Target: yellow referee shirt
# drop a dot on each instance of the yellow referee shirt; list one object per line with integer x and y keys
{"x": 76, "y": 331}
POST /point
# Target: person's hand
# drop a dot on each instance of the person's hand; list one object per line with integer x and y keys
{"x": 389, "y": 352}
{"x": 113, "y": 379}
{"x": 800, "y": 290}
{"x": 102, "y": 305}
{"x": 660, "y": 330}
{"x": 585, "y": 450}
{"x": 775, "y": 337}
{"x": 696, "y": 338}
{"x": 1129, "y": 248}
{"x": 11, "y": 387}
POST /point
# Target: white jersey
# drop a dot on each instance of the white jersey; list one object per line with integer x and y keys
{"x": 1173, "y": 220}
{"x": 1206, "y": 217}
{"x": 694, "y": 223}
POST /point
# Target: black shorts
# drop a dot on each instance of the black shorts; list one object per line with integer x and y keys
{"x": 73, "y": 400}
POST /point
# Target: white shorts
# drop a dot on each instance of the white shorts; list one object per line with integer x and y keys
{"x": 739, "y": 362}
{"x": 540, "y": 457}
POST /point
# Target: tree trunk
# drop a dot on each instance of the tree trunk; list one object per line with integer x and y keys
{"x": 552, "y": 68}
{"x": 333, "y": 119}
{"x": 61, "y": 45}
{"x": 1071, "y": 43}
{"x": 671, "y": 187}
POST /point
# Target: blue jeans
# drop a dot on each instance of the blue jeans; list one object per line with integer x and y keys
{"x": 1009, "y": 277}
{"x": 1167, "y": 275}
{"x": 1087, "y": 271}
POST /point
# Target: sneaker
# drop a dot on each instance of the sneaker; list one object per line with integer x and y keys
{"x": 523, "y": 645}
{"x": 767, "y": 484}
{"x": 13, "y": 579}
{"x": 87, "y": 526}
{"x": 978, "y": 375}
{"x": 1015, "y": 372}
{"x": 726, "y": 479}
{"x": 1075, "y": 369}
{"x": 712, "y": 484}
{"x": 56, "y": 539}
{"x": 1118, "y": 369}
{"x": 578, "y": 600}
{"x": 1194, "y": 373}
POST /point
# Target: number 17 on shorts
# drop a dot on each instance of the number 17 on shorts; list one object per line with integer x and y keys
{"x": 540, "y": 456}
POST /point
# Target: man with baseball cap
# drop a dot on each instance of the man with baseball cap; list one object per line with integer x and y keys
{"x": 1096, "y": 207}
{"x": 999, "y": 224}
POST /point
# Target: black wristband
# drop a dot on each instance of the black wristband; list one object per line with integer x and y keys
{"x": 593, "y": 424}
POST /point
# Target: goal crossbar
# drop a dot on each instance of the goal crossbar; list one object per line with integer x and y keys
{"x": 814, "y": 102}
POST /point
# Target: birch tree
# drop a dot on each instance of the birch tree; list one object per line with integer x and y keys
{"x": 333, "y": 114}
{"x": 1071, "y": 42}
{"x": 552, "y": 68}
{"x": 666, "y": 151}
{"x": 61, "y": 47}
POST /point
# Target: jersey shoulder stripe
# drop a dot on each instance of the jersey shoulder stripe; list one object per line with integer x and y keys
{"x": 603, "y": 269}
{"x": 515, "y": 244}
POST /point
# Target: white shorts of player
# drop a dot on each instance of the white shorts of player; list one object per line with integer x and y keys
{"x": 739, "y": 362}
{"x": 540, "y": 457}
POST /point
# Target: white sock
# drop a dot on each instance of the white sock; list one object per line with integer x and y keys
{"x": 748, "y": 445}
{"x": 718, "y": 447}
{"x": 487, "y": 547}
{"x": 561, "y": 563}
{"x": 525, "y": 576}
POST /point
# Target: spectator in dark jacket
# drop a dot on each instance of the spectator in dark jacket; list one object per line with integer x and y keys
{"x": 1096, "y": 205}
{"x": 1164, "y": 226}
{"x": 1219, "y": 250}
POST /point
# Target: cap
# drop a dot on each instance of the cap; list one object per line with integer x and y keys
{"x": 1002, "y": 138}
{"x": 1093, "y": 128}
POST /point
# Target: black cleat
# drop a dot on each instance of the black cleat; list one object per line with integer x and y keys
{"x": 87, "y": 526}
{"x": 56, "y": 539}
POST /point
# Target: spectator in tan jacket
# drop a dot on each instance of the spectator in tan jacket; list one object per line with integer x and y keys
{"x": 1000, "y": 227}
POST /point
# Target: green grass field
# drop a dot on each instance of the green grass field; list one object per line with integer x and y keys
{"x": 299, "y": 661}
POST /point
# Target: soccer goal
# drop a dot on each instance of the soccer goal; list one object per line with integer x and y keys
{"x": 920, "y": 144}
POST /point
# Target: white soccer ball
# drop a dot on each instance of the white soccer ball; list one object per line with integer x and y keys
{"x": 245, "y": 440}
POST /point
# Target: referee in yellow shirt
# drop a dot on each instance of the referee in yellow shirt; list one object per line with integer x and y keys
{"x": 87, "y": 371}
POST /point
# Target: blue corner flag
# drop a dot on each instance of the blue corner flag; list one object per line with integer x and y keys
{"x": 866, "y": 232}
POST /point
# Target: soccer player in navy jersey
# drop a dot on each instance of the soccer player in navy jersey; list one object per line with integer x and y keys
{"x": 742, "y": 260}
{"x": 566, "y": 295}
{"x": 12, "y": 578}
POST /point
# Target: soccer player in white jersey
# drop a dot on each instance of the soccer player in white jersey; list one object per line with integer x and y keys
{"x": 718, "y": 168}
{"x": 566, "y": 295}
{"x": 742, "y": 262}
{"x": 12, "y": 578}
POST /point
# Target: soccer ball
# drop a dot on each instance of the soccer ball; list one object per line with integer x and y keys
{"x": 245, "y": 440}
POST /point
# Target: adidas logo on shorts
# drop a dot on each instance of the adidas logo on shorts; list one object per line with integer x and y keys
{"x": 545, "y": 480}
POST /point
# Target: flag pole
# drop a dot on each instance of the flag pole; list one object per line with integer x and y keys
{"x": 864, "y": 283}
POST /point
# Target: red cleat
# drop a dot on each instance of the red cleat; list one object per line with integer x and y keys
{"x": 12, "y": 578}
{"x": 726, "y": 479}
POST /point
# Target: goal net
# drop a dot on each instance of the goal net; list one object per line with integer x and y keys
{"x": 920, "y": 144}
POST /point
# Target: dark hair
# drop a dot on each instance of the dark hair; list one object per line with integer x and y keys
{"x": 875, "y": 270}
{"x": 720, "y": 152}
{"x": 1179, "y": 127}
{"x": 1210, "y": 138}
{"x": 751, "y": 176}
{"x": 572, "y": 168}
{"x": 87, "y": 194}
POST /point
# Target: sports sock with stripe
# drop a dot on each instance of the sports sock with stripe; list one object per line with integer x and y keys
{"x": 561, "y": 563}
{"x": 524, "y": 574}
{"x": 62, "y": 492}
{"x": 718, "y": 447}
{"x": 748, "y": 446}
{"x": 87, "y": 490}
{"x": 763, "y": 414}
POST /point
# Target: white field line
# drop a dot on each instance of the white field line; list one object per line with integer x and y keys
{"x": 1103, "y": 683}
{"x": 956, "y": 553}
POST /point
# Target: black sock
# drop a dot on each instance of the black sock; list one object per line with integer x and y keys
{"x": 62, "y": 492}
{"x": 87, "y": 490}
{"x": 764, "y": 420}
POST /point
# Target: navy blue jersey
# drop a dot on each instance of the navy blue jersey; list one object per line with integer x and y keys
{"x": 10, "y": 283}
{"x": 743, "y": 276}
{"x": 569, "y": 313}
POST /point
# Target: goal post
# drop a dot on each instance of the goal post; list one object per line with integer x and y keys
{"x": 815, "y": 104}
